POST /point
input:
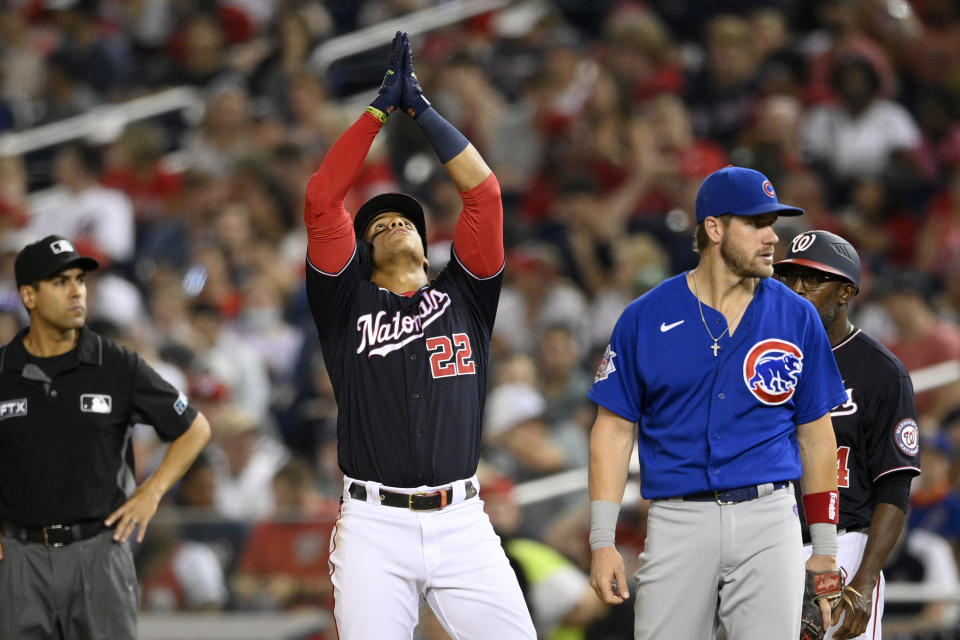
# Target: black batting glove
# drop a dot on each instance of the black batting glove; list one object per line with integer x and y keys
{"x": 388, "y": 96}
{"x": 412, "y": 99}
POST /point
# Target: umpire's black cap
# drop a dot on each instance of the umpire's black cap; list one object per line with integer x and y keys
{"x": 824, "y": 251}
{"x": 401, "y": 203}
{"x": 48, "y": 257}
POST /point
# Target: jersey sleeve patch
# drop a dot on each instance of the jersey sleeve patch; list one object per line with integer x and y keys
{"x": 907, "y": 436}
{"x": 180, "y": 404}
{"x": 606, "y": 366}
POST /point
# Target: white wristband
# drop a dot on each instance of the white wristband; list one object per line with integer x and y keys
{"x": 603, "y": 523}
{"x": 823, "y": 535}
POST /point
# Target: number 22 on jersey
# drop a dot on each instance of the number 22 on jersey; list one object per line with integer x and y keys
{"x": 451, "y": 356}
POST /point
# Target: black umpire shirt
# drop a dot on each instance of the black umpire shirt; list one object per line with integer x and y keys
{"x": 65, "y": 428}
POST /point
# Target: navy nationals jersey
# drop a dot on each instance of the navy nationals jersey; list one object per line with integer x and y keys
{"x": 876, "y": 426}
{"x": 712, "y": 423}
{"x": 424, "y": 359}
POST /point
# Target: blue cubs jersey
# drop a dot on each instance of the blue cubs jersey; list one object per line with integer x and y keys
{"x": 409, "y": 372}
{"x": 710, "y": 422}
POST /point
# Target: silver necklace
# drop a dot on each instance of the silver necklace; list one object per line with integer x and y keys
{"x": 716, "y": 341}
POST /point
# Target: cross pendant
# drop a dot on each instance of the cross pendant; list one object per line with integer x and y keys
{"x": 715, "y": 347}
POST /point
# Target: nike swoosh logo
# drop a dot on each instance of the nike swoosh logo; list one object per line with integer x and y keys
{"x": 664, "y": 327}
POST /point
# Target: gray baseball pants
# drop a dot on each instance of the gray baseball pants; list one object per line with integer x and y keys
{"x": 86, "y": 590}
{"x": 705, "y": 565}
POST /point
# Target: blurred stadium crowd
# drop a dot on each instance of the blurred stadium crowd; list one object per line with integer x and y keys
{"x": 600, "y": 120}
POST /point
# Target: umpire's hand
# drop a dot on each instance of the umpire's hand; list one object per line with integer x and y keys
{"x": 135, "y": 513}
{"x": 607, "y": 575}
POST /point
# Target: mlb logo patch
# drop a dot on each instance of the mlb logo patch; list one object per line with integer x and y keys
{"x": 180, "y": 405}
{"x": 96, "y": 403}
{"x": 61, "y": 246}
{"x": 13, "y": 408}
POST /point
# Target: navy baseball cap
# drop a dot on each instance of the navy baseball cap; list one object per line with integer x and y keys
{"x": 401, "y": 203}
{"x": 48, "y": 257}
{"x": 824, "y": 251}
{"x": 741, "y": 192}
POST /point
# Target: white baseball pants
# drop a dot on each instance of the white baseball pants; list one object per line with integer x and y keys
{"x": 384, "y": 560}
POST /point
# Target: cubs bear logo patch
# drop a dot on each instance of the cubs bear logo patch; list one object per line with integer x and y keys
{"x": 606, "y": 366}
{"x": 772, "y": 369}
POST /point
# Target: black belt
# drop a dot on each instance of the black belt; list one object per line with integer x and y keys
{"x": 416, "y": 501}
{"x": 54, "y": 535}
{"x": 731, "y": 496}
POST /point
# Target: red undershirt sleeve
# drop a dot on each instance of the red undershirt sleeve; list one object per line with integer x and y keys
{"x": 478, "y": 238}
{"x": 330, "y": 237}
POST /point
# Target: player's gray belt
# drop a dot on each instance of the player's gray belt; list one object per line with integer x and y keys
{"x": 53, "y": 535}
{"x": 416, "y": 501}
{"x": 731, "y": 496}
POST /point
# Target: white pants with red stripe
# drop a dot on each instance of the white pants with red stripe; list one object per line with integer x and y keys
{"x": 385, "y": 560}
{"x": 850, "y": 548}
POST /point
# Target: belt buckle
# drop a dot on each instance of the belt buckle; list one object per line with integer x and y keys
{"x": 46, "y": 539}
{"x": 716, "y": 496}
{"x": 425, "y": 494}
{"x": 410, "y": 499}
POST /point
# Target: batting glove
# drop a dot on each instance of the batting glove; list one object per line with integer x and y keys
{"x": 412, "y": 99}
{"x": 388, "y": 96}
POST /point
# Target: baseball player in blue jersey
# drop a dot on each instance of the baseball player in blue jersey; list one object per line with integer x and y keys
{"x": 726, "y": 379}
{"x": 878, "y": 444}
{"x": 408, "y": 361}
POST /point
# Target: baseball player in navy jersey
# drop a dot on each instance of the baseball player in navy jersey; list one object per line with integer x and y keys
{"x": 878, "y": 450}
{"x": 408, "y": 362}
{"x": 726, "y": 379}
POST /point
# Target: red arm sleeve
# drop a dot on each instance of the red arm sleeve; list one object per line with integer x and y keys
{"x": 330, "y": 237}
{"x": 478, "y": 238}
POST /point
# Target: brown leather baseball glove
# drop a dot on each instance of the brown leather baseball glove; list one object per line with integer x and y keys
{"x": 819, "y": 585}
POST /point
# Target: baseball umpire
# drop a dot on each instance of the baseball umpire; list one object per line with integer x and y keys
{"x": 878, "y": 450}
{"x": 68, "y": 497}
{"x": 727, "y": 381}
{"x": 408, "y": 362}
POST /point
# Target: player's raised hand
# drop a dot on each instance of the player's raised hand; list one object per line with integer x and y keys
{"x": 388, "y": 96}
{"x": 412, "y": 99}
{"x": 608, "y": 576}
